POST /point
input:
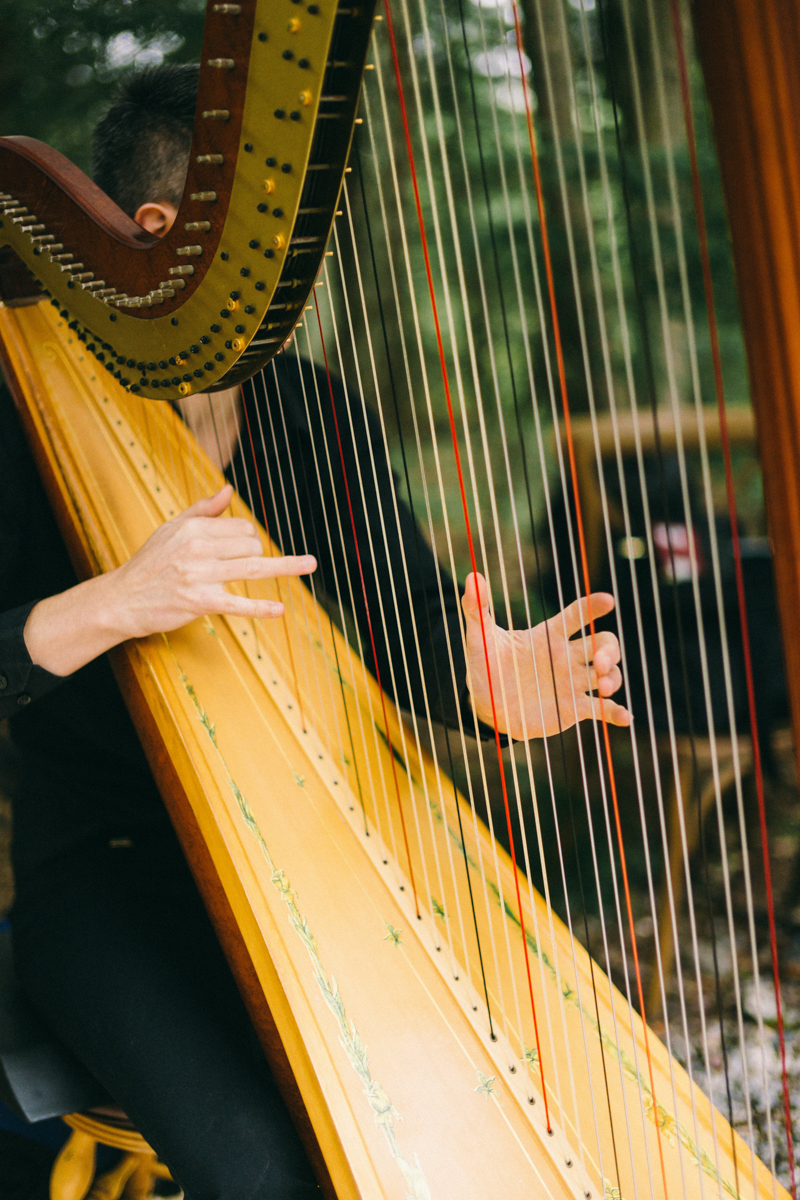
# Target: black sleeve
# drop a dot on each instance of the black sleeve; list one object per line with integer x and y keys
{"x": 33, "y": 563}
{"x": 335, "y": 482}
{"x": 20, "y": 681}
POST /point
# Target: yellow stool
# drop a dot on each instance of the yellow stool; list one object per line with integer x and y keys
{"x": 134, "y": 1175}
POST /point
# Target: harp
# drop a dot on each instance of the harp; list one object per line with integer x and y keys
{"x": 437, "y": 1028}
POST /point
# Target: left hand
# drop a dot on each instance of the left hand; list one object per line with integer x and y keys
{"x": 524, "y": 664}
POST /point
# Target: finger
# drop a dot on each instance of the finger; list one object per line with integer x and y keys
{"x": 242, "y": 606}
{"x": 580, "y": 612}
{"x": 226, "y": 527}
{"x": 613, "y": 713}
{"x": 475, "y": 599}
{"x": 606, "y": 651}
{"x": 230, "y": 570}
{"x": 609, "y": 683}
{"x": 226, "y": 548}
{"x": 210, "y": 506}
{"x": 606, "y": 682}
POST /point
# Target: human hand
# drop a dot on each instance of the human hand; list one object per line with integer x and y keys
{"x": 181, "y": 570}
{"x": 525, "y": 663}
{"x": 178, "y": 574}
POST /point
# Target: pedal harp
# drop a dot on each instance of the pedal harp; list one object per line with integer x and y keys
{"x": 438, "y": 1030}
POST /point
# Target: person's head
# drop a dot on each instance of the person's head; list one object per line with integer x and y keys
{"x": 140, "y": 150}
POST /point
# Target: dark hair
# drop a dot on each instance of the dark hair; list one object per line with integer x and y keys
{"x": 140, "y": 149}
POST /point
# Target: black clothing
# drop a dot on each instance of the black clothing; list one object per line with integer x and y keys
{"x": 115, "y": 949}
{"x": 76, "y": 738}
{"x": 111, "y": 941}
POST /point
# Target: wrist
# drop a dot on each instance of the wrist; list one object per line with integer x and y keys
{"x": 66, "y": 631}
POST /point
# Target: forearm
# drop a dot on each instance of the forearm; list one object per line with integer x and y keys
{"x": 67, "y": 631}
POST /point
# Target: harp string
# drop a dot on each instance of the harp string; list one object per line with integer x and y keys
{"x": 737, "y": 557}
{"x": 417, "y": 536}
{"x": 534, "y": 267}
{"x": 454, "y": 437}
{"x": 303, "y": 643}
{"x": 395, "y": 516}
{"x": 366, "y": 606}
{"x": 478, "y": 393}
{"x": 601, "y": 477}
{"x": 751, "y": 926}
{"x": 693, "y": 565}
{"x": 395, "y": 859}
{"x": 303, "y": 548}
{"x": 523, "y": 180}
{"x": 603, "y": 330}
{"x": 487, "y": 467}
{"x": 555, "y": 328}
{"x": 407, "y": 262}
{"x": 288, "y": 602}
{"x": 632, "y": 396}
{"x": 591, "y": 831}
{"x": 312, "y": 583}
{"x": 382, "y": 521}
{"x": 404, "y": 239}
{"x": 604, "y": 338}
{"x": 552, "y": 388}
{"x": 371, "y": 787}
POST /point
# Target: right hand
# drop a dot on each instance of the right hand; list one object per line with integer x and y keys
{"x": 181, "y": 570}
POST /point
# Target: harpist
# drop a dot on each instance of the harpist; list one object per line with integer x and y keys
{"x": 111, "y": 940}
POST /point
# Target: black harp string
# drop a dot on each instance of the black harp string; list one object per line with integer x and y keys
{"x": 535, "y": 541}
{"x": 411, "y": 387}
{"x": 418, "y": 556}
{"x": 238, "y": 452}
{"x": 386, "y": 459}
{"x": 313, "y": 583}
{"x": 403, "y": 551}
{"x": 323, "y": 383}
{"x": 454, "y": 91}
{"x": 386, "y": 735}
{"x": 606, "y": 741}
{"x": 419, "y": 348}
{"x": 636, "y": 272}
{"x": 379, "y": 460}
{"x": 400, "y": 755}
{"x": 349, "y": 605}
{"x": 291, "y": 548}
{"x": 278, "y": 578}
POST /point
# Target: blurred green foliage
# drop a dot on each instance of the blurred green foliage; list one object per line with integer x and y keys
{"x": 60, "y": 60}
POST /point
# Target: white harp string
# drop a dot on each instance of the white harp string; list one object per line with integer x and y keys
{"x": 480, "y": 311}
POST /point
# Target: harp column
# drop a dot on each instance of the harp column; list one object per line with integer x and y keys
{"x": 750, "y": 50}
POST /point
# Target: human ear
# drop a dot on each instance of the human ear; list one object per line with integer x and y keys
{"x": 156, "y": 216}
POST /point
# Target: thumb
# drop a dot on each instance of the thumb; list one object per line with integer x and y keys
{"x": 212, "y": 506}
{"x": 476, "y": 597}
